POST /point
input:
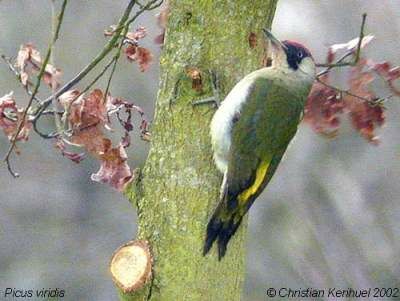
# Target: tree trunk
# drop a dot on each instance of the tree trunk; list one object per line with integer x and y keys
{"x": 179, "y": 185}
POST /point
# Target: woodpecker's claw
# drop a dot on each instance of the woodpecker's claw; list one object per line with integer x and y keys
{"x": 215, "y": 99}
{"x": 215, "y": 87}
{"x": 206, "y": 101}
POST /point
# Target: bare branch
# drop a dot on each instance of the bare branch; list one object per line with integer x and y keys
{"x": 357, "y": 53}
{"x": 103, "y": 53}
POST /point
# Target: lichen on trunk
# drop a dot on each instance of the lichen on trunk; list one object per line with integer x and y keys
{"x": 179, "y": 184}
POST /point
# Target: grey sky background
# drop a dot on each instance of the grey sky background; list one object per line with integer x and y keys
{"x": 330, "y": 217}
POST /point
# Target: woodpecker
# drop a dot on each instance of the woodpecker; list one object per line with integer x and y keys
{"x": 251, "y": 131}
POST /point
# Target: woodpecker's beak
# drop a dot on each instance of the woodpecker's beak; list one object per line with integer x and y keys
{"x": 278, "y": 45}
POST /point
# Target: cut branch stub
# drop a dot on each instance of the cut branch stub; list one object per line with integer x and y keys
{"x": 131, "y": 266}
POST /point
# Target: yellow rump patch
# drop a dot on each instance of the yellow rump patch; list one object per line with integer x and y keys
{"x": 260, "y": 175}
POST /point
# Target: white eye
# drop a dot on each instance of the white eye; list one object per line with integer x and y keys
{"x": 300, "y": 55}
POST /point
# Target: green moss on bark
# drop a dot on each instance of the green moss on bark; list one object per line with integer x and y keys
{"x": 179, "y": 184}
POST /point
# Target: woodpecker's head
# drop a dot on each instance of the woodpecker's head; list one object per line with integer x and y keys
{"x": 291, "y": 57}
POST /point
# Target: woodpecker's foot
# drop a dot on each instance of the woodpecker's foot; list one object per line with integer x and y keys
{"x": 215, "y": 99}
{"x": 208, "y": 100}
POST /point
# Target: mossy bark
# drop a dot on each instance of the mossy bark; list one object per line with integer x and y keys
{"x": 179, "y": 184}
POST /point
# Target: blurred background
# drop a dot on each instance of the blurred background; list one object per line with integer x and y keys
{"x": 331, "y": 215}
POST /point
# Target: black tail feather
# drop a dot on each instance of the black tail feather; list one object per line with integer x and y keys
{"x": 220, "y": 230}
{"x": 213, "y": 228}
{"x": 225, "y": 235}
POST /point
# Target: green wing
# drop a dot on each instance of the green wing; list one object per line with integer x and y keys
{"x": 266, "y": 126}
{"x": 267, "y": 123}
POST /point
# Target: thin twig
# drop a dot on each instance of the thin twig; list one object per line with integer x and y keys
{"x": 13, "y": 173}
{"x": 143, "y": 8}
{"x": 148, "y": 6}
{"x": 57, "y": 119}
{"x": 43, "y": 135}
{"x": 18, "y": 75}
{"x": 342, "y": 91}
{"x": 68, "y": 109}
{"x": 139, "y": 4}
{"x": 114, "y": 67}
{"x": 53, "y": 112}
{"x": 103, "y": 53}
{"x": 369, "y": 101}
{"x": 122, "y": 33}
{"x": 36, "y": 88}
{"x": 116, "y": 58}
{"x": 155, "y": 5}
{"x": 341, "y": 63}
{"x": 329, "y": 67}
{"x": 357, "y": 54}
{"x": 108, "y": 65}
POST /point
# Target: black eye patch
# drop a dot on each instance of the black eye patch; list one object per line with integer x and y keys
{"x": 295, "y": 53}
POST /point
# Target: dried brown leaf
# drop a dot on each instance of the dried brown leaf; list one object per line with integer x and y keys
{"x": 141, "y": 55}
{"x": 323, "y": 109}
{"x": 389, "y": 74}
{"x": 88, "y": 118}
{"x": 29, "y": 62}
{"x": 364, "y": 116}
{"x": 137, "y": 35}
{"x": 10, "y": 117}
{"x": 352, "y": 44}
{"x": 114, "y": 169}
{"x": 74, "y": 157}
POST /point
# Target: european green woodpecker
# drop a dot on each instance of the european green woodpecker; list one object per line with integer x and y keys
{"x": 251, "y": 131}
